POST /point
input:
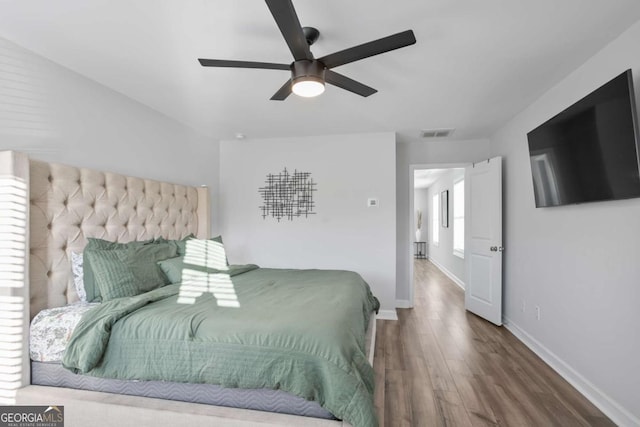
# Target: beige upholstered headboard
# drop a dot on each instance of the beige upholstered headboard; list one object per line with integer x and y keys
{"x": 69, "y": 204}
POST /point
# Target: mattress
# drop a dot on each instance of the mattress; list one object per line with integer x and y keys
{"x": 55, "y": 375}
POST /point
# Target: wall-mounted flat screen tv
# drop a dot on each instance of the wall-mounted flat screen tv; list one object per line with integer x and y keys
{"x": 588, "y": 152}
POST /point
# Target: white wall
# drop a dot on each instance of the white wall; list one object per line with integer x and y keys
{"x": 344, "y": 234}
{"x": 442, "y": 255}
{"x": 446, "y": 153}
{"x": 57, "y": 115}
{"x": 581, "y": 263}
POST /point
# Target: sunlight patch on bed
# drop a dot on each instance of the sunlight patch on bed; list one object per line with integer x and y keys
{"x": 209, "y": 255}
{"x": 206, "y": 253}
{"x": 195, "y": 283}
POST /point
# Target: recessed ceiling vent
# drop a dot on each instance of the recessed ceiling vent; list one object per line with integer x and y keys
{"x": 436, "y": 133}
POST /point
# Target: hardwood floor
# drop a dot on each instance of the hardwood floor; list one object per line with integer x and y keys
{"x": 439, "y": 365}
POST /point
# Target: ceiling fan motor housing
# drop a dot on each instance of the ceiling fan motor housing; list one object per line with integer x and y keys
{"x": 311, "y": 34}
{"x": 307, "y": 70}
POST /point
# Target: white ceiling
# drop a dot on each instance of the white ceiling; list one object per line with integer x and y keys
{"x": 423, "y": 178}
{"x": 475, "y": 64}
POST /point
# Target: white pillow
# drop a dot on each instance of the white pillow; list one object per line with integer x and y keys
{"x": 78, "y": 275}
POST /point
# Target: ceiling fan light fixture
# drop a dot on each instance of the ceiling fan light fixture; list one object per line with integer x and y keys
{"x": 307, "y": 78}
{"x": 308, "y": 87}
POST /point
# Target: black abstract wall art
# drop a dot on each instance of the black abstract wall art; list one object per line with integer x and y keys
{"x": 287, "y": 195}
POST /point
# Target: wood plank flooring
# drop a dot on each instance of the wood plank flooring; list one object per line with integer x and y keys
{"x": 439, "y": 365}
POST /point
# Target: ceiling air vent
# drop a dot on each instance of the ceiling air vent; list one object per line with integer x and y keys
{"x": 436, "y": 133}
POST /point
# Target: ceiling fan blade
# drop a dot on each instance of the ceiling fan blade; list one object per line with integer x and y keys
{"x": 242, "y": 64}
{"x": 346, "y": 83}
{"x": 283, "y": 92}
{"x": 289, "y": 24}
{"x": 366, "y": 50}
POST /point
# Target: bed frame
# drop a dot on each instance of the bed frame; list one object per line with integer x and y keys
{"x": 65, "y": 205}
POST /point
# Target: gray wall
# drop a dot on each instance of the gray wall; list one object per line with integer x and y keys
{"x": 442, "y": 255}
{"x": 57, "y": 115}
{"x": 581, "y": 263}
{"x": 343, "y": 234}
{"x": 446, "y": 153}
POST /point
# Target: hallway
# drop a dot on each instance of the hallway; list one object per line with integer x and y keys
{"x": 439, "y": 365}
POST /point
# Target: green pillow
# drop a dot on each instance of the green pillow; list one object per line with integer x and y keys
{"x": 93, "y": 293}
{"x": 173, "y": 268}
{"x": 201, "y": 260}
{"x": 182, "y": 244}
{"x": 129, "y": 271}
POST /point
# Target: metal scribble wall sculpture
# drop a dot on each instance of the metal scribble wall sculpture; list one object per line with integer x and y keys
{"x": 288, "y": 195}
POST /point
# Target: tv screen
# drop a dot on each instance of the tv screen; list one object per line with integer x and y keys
{"x": 588, "y": 152}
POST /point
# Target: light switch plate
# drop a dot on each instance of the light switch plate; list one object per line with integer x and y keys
{"x": 372, "y": 203}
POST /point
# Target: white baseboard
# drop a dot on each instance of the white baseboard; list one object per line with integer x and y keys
{"x": 387, "y": 315}
{"x": 607, "y": 405}
{"x": 449, "y": 274}
{"x": 403, "y": 303}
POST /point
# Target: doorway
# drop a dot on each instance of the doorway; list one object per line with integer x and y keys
{"x": 474, "y": 214}
{"x": 437, "y": 220}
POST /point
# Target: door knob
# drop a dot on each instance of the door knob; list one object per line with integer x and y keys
{"x": 500, "y": 249}
{"x": 493, "y": 249}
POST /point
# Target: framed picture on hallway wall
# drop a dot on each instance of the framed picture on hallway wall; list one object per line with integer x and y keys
{"x": 444, "y": 206}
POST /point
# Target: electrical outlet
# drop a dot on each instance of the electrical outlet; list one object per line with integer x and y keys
{"x": 537, "y": 312}
{"x": 524, "y": 306}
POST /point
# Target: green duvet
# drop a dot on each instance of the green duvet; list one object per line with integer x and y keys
{"x": 302, "y": 331}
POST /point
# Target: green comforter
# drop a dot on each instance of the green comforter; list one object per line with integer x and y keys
{"x": 302, "y": 331}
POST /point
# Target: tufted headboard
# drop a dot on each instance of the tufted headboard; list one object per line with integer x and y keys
{"x": 69, "y": 204}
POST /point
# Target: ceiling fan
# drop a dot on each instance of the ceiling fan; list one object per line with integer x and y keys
{"x": 308, "y": 74}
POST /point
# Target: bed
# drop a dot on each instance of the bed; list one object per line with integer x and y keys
{"x": 67, "y": 205}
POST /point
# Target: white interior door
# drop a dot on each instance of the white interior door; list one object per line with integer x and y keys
{"x": 483, "y": 239}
